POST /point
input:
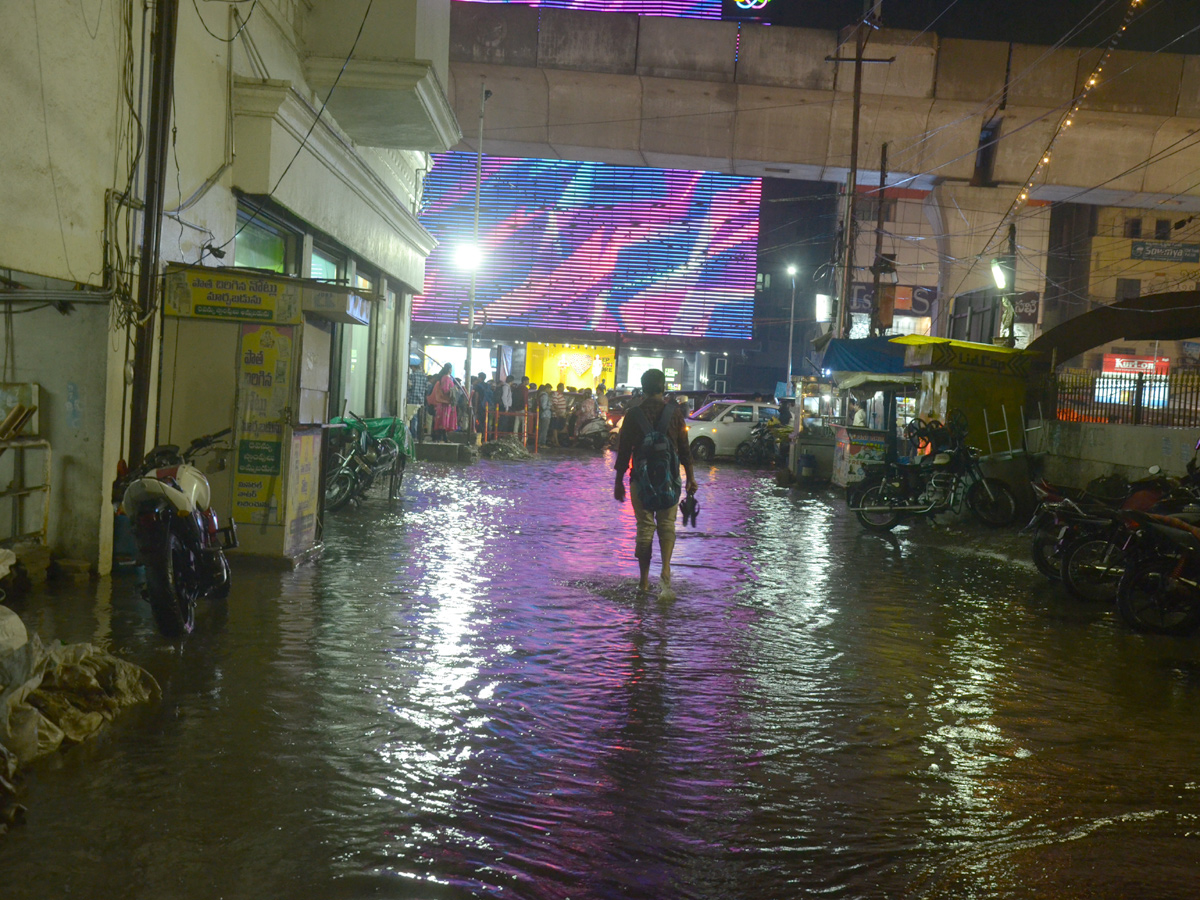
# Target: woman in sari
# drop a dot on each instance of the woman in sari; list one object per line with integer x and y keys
{"x": 442, "y": 396}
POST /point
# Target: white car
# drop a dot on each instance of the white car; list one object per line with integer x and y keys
{"x": 717, "y": 428}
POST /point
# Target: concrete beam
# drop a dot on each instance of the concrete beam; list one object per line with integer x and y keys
{"x": 781, "y": 125}
{"x": 500, "y": 35}
{"x": 1189, "y": 88}
{"x": 1042, "y": 76}
{"x": 610, "y": 121}
{"x": 1127, "y": 140}
{"x": 694, "y": 49}
{"x": 784, "y": 109}
{"x": 1174, "y": 146}
{"x": 693, "y": 118}
{"x": 910, "y": 75}
{"x": 590, "y": 41}
{"x": 518, "y": 110}
{"x": 1145, "y": 83}
{"x": 786, "y": 57}
{"x": 972, "y": 70}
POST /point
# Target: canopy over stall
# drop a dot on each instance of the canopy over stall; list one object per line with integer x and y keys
{"x": 867, "y": 365}
{"x": 988, "y": 383}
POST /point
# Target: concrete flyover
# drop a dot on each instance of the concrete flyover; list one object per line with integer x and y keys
{"x": 764, "y": 101}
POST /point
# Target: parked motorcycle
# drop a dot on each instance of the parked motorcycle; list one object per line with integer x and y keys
{"x": 179, "y": 540}
{"x": 358, "y": 458}
{"x": 1097, "y": 549}
{"x": 936, "y": 483}
{"x": 762, "y": 447}
{"x": 1095, "y": 552}
{"x": 595, "y": 434}
{"x": 1159, "y": 590}
{"x": 1063, "y": 515}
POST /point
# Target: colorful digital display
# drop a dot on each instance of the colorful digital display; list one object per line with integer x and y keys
{"x": 593, "y": 247}
{"x": 682, "y": 9}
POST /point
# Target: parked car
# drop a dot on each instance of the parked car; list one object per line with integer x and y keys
{"x": 717, "y": 428}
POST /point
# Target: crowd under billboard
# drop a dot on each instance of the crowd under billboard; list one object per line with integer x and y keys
{"x": 593, "y": 247}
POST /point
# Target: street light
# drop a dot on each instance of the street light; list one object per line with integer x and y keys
{"x": 1004, "y": 272}
{"x": 791, "y": 270}
{"x": 470, "y": 257}
{"x": 998, "y": 273}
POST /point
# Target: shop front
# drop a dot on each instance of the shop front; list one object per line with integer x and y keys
{"x": 274, "y": 337}
{"x": 873, "y": 372}
{"x": 577, "y": 366}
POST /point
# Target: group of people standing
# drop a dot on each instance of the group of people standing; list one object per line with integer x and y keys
{"x": 438, "y": 405}
{"x": 508, "y": 407}
{"x": 434, "y": 403}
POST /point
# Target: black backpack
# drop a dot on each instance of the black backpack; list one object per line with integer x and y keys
{"x": 655, "y": 462}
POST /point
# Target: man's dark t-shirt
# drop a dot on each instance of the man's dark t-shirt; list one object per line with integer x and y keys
{"x": 519, "y": 395}
{"x": 632, "y": 434}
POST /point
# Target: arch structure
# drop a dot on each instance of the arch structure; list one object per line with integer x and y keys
{"x": 1172, "y": 316}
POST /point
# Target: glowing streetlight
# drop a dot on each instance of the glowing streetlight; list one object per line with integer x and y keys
{"x": 999, "y": 274}
{"x": 468, "y": 257}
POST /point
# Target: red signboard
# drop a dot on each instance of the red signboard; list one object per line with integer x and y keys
{"x": 1133, "y": 365}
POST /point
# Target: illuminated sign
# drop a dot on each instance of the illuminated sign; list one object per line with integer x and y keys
{"x": 1119, "y": 380}
{"x": 1132, "y": 365}
{"x": 911, "y": 300}
{"x": 593, "y": 247}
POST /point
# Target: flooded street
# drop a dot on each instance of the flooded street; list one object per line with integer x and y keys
{"x": 466, "y": 697}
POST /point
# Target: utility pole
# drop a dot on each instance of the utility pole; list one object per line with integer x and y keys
{"x": 1010, "y": 301}
{"x": 792, "y": 271}
{"x": 878, "y": 265}
{"x": 158, "y": 129}
{"x": 484, "y": 93}
{"x": 870, "y": 20}
{"x": 851, "y": 232}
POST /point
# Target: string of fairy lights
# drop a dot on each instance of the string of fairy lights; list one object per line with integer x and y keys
{"x": 1068, "y": 118}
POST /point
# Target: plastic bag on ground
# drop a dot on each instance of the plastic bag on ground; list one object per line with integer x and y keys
{"x": 53, "y": 693}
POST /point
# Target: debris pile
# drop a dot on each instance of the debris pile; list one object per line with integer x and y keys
{"x": 54, "y": 696}
{"x": 504, "y": 449}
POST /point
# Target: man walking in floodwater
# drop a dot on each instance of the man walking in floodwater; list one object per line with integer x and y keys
{"x": 652, "y": 405}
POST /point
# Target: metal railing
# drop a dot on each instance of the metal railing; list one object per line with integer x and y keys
{"x": 1119, "y": 399}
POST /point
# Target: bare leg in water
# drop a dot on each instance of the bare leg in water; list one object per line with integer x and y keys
{"x": 643, "y": 552}
{"x": 666, "y": 548}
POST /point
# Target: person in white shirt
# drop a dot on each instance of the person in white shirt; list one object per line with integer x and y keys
{"x": 860, "y": 413}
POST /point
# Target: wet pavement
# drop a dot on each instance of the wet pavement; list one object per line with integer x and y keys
{"x": 466, "y": 697}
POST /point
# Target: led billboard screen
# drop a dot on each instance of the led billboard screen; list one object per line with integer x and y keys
{"x": 593, "y": 247}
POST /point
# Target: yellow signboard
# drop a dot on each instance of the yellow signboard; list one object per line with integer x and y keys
{"x": 213, "y": 293}
{"x": 264, "y": 389}
{"x": 302, "y": 493}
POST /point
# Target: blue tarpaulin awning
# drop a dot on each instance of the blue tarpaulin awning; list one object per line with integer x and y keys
{"x": 877, "y": 356}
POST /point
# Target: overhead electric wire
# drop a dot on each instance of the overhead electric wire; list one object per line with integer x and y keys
{"x": 241, "y": 28}
{"x": 307, "y": 135}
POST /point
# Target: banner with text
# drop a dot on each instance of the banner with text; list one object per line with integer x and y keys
{"x": 264, "y": 391}
{"x": 210, "y": 293}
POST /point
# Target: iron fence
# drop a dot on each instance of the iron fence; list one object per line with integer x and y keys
{"x": 1127, "y": 399}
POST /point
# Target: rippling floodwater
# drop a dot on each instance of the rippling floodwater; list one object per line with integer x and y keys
{"x": 466, "y": 697}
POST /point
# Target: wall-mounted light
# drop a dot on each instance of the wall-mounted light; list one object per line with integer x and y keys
{"x": 999, "y": 275}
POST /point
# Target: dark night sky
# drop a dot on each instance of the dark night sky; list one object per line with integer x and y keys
{"x": 1157, "y": 22}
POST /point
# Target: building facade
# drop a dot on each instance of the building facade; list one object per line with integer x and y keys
{"x": 299, "y": 137}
